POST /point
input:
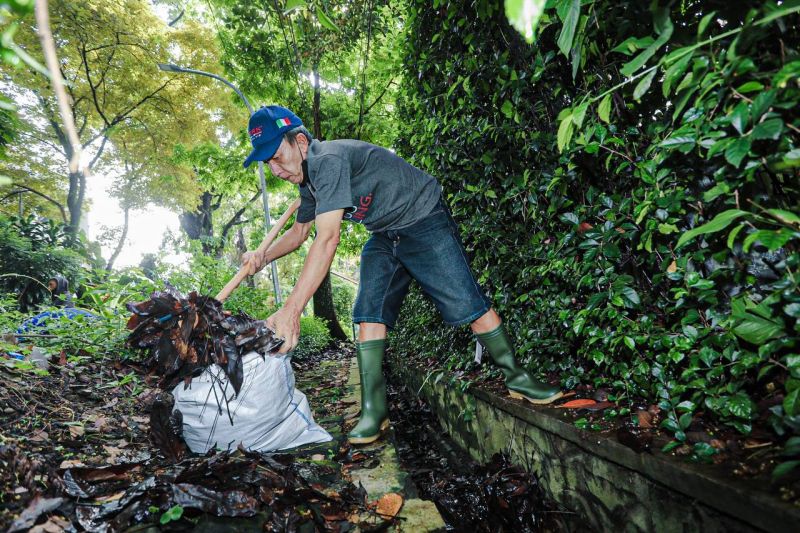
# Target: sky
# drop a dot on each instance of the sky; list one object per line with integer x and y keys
{"x": 146, "y": 229}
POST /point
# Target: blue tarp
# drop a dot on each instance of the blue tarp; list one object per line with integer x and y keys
{"x": 40, "y": 320}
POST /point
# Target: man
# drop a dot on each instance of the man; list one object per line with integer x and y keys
{"x": 413, "y": 236}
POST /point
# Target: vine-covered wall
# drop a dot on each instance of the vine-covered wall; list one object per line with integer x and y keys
{"x": 628, "y": 189}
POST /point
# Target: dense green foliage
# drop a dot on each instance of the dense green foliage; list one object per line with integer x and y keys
{"x": 628, "y": 187}
{"x": 34, "y": 250}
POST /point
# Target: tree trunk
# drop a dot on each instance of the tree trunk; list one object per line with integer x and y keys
{"x": 315, "y": 110}
{"x": 323, "y": 308}
{"x": 323, "y": 298}
{"x": 241, "y": 248}
{"x": 75, "y": 201}
{"x": 121, "y": 242}
{"x": 200, "y": 224}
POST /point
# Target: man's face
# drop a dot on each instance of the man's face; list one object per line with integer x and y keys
{"x": 287, "y": 163}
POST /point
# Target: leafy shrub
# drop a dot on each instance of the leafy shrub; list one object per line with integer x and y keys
{"x": 314, "y": 336}
{"x": 344, "y": 295}
{"x": 32, "y": 250}
{"x": 628, "y": 188}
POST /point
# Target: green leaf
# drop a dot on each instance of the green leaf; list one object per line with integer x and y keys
{"x": 565, "y": 130}
{"x": 680, "y": 142}
{"x": 629, "y": 342}
{"x": 787, "y": 73}
{"x": 793, "y": 310}
{"x": 524, "y": 16}
{"x": 670, "y": 446}
{"x": 643, "y": 85}
{"x": 739, "y": 117}
{"x": 769, "y": 129}
{"x": 579, "y": 113}
{"x": 569, "y": 218}
{"x": 701, "y": 28}
{"x": 761, "y": 103}
{"x": 5, "y": 180}
{"x": 570, "y": 18}
{"x": 791, "y": 403}
{"x": 685, "y": 421}
{"x": 325, "y": 20}
{"x": 507, "y": 109}
{"x": 758, "y": 330}
{"x": 732, "y": 235}
{"x": 750, "y": 87}
{"x": 784, "y": 468}
{"x": 737, "y": 151}
{"x": 630, "y": 296}
{"x": 674, "y": 73}
{"x": 792, "y": 447}
{"x": 787, "y": 217}
{"x": 291, "y": 5}
{"x": 740, "y": 405}
{"x": 661, "y": 20}
{"x": 718, "y": 223}
{"x": 772, "y": 239}
{"x": 173, "y": 513}
{"x": 604, "y": 109}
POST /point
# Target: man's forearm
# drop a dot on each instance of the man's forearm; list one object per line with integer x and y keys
{"x": 316, "y": 266}
{"x": 286, "y": 244}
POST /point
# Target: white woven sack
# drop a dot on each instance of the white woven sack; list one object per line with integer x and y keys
{"x": 269, "y": 414}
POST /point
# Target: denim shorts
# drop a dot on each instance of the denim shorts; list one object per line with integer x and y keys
{"x": 429, "y": 251}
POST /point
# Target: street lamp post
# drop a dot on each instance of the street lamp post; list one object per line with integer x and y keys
{"x": 168, "y": 67}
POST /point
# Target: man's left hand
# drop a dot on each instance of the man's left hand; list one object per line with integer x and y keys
{"x": 286, "y": 325}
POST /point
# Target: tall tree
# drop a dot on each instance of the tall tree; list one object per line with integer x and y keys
{"x": 108, "y": 53}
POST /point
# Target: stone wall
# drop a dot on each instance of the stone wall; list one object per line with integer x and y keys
{"x": 612, "y": 487}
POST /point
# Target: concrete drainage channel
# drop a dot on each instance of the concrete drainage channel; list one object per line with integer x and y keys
{"x": 416, "y": 515}
{"x": 611, "y": 487}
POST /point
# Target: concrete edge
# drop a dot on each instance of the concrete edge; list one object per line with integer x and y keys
{"x": 728, "y": 496}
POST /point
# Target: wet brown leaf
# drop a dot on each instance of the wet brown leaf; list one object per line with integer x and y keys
{"x": 645, "y": 418}
{"x": 389, "y": 505}
{"x": 576, "y": 404}
{"x": 39, "y": 435}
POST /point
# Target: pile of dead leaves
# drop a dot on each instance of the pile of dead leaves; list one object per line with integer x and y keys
{"x": 277, "y": 492}
{"x": 185, "y": 335}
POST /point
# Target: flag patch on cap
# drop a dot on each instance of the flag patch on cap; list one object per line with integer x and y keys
{"x": 283, "y": 122}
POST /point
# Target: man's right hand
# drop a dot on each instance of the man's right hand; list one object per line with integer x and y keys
{"x": 253, "y": 261}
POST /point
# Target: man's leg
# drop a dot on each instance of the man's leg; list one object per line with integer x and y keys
{"x": 370, "y": 331}
{"x": 433, "y": 254}
{"x": 374, "y": 417}
{"x": 384, "y": 283}
{"x": 491, "y": 333}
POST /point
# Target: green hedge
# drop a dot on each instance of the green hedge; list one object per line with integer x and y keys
{"x": 628, "y": 187}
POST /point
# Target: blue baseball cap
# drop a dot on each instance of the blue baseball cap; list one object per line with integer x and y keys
{"x": 266, "y": 129}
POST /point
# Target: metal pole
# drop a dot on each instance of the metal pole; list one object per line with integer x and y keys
{"x": 263, "y": 180}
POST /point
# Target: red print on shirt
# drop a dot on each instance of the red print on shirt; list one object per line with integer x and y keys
{"x": 363, "y": 206}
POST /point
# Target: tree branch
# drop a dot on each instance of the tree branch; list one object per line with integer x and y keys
{"x": 99, "y": 152}
{"x": 92, "y": 86}
{"x": 378, "y": 99}
{"x": 121, "y": 242}
{"x": 176, "y": 19}
{"x": 49, "y": 199}
{"x": 235, "y": 218}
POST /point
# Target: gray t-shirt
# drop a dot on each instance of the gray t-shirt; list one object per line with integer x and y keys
{"x": 374, "y": 186}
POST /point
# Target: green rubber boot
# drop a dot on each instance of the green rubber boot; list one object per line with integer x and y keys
{"x": 520, "y": 384}
{"x": 374, "y": 414}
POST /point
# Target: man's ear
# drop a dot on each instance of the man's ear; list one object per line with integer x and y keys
{"x": 302, "y": 142}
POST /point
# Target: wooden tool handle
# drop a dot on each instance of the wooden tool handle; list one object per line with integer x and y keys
{"x": 242, "y": 274}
